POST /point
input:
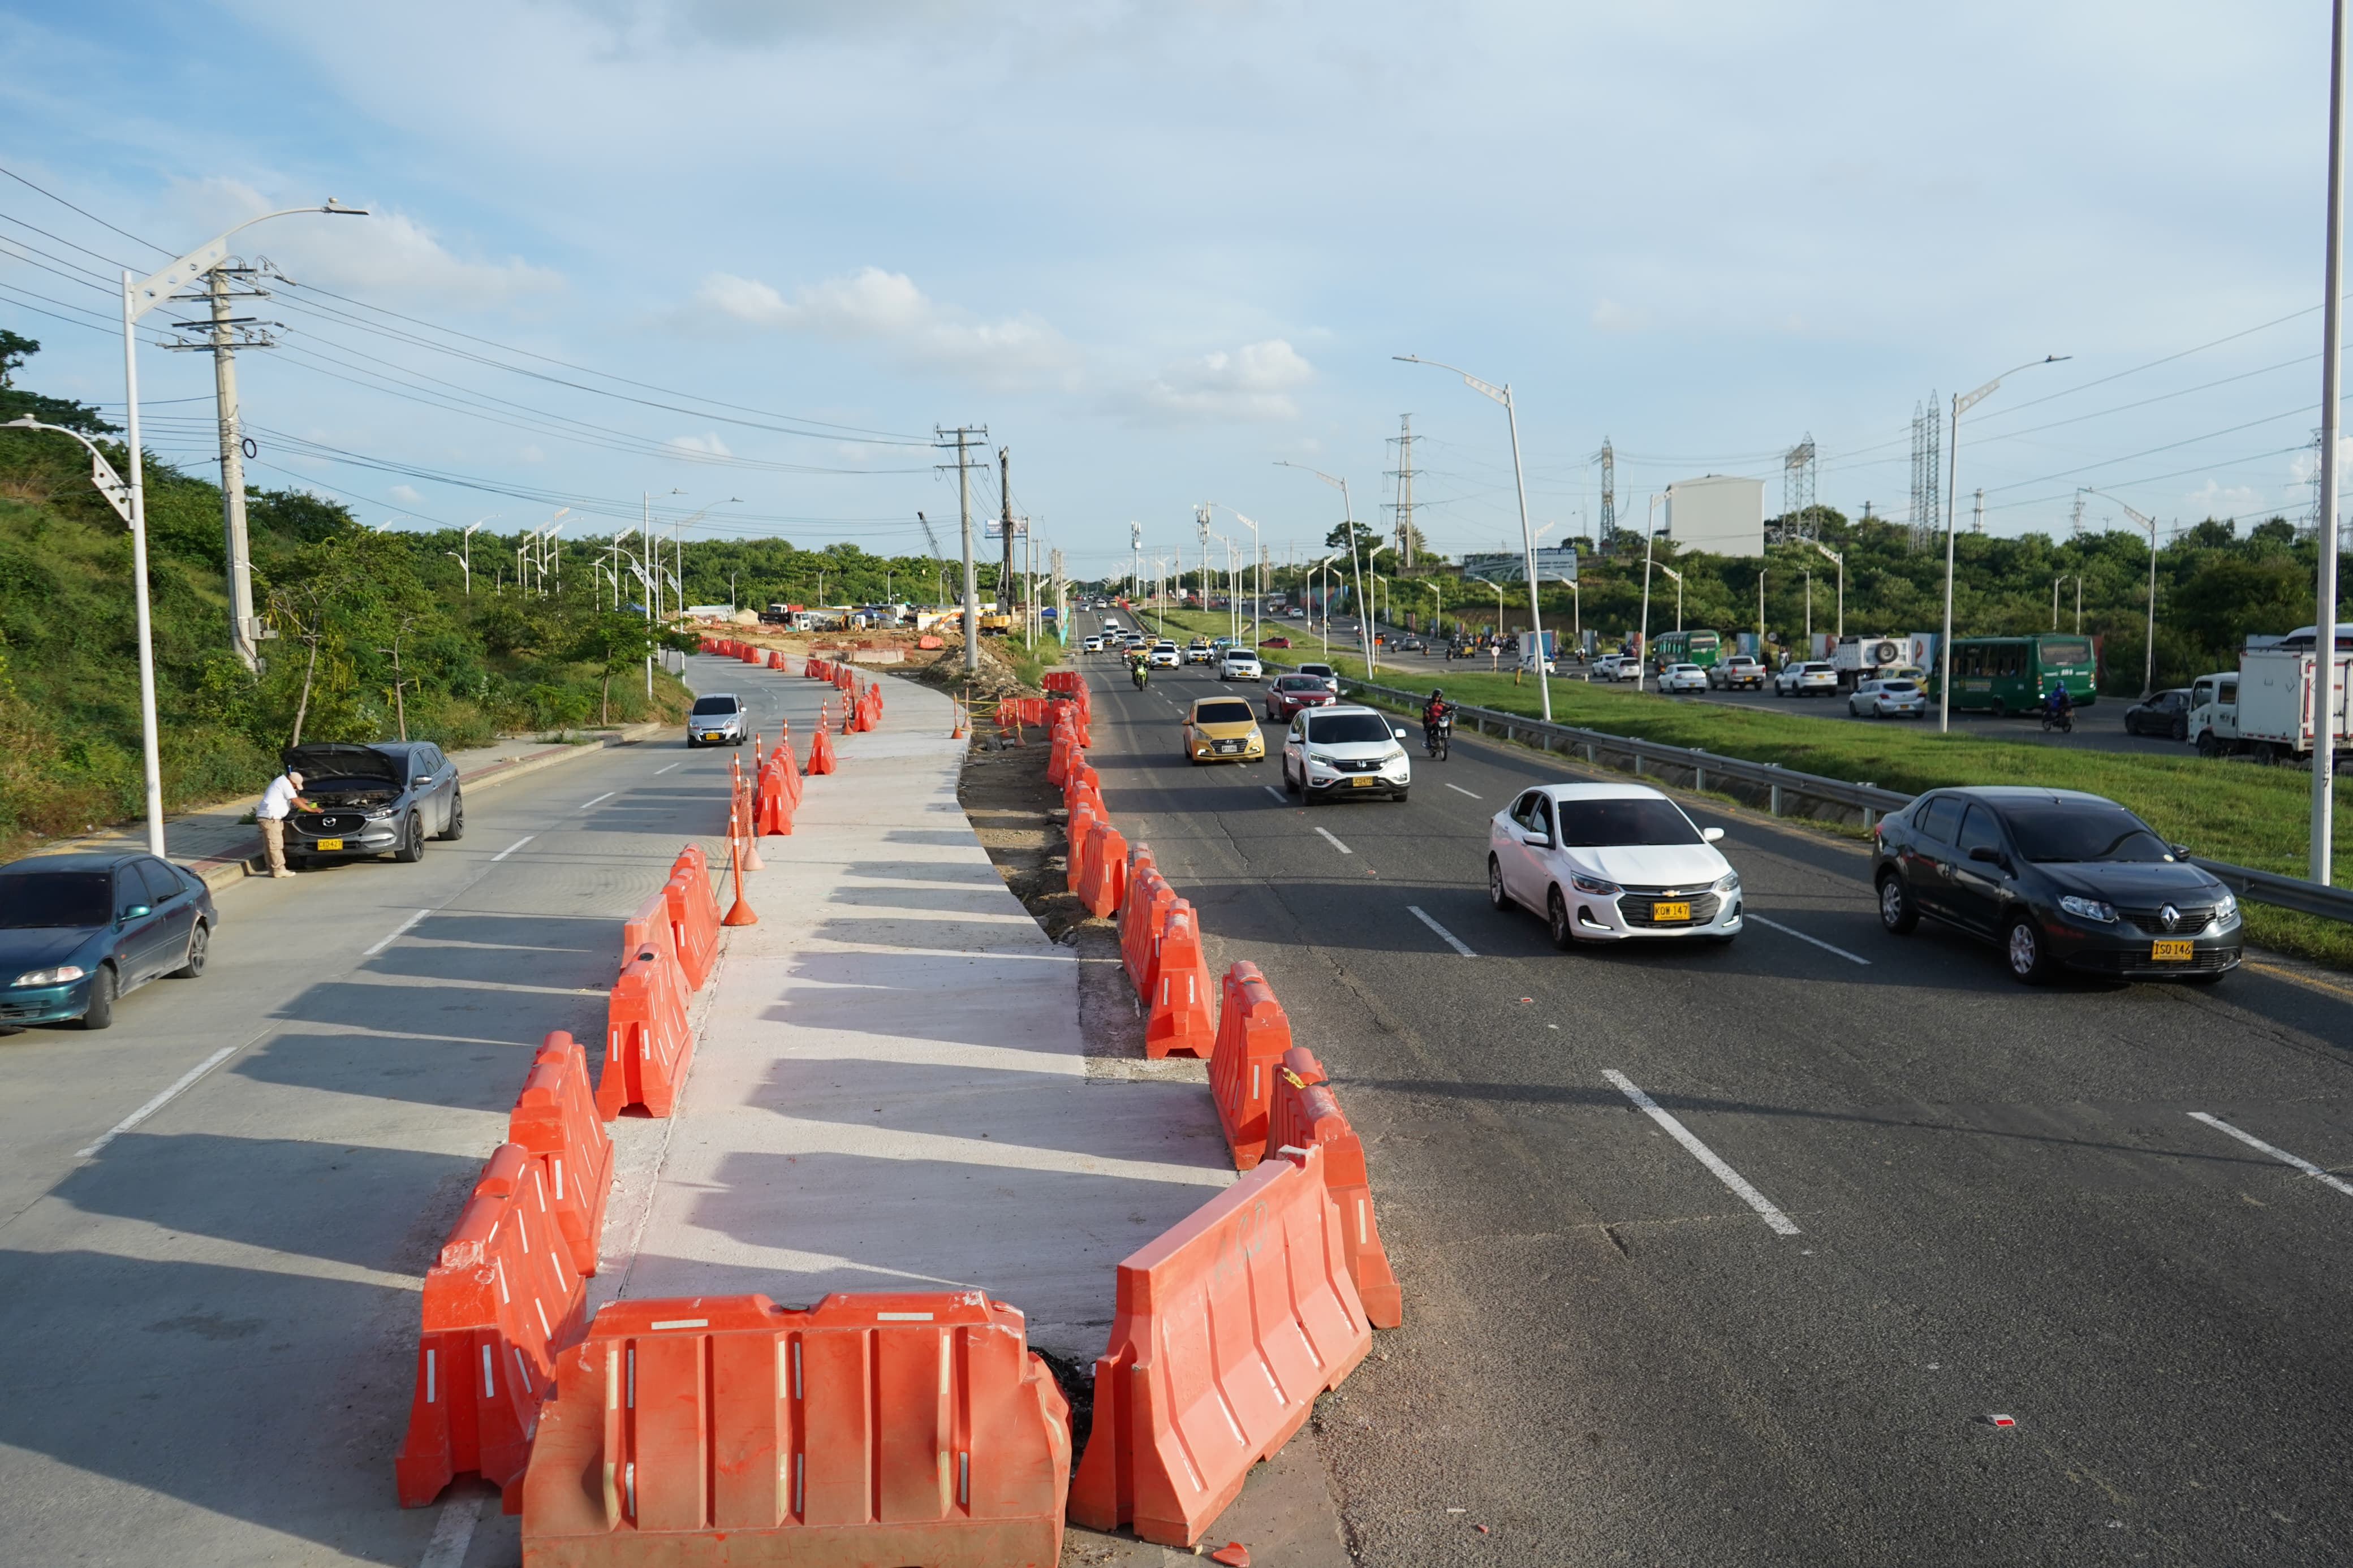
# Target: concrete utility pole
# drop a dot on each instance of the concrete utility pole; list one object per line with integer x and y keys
{"x": 2332, "y": 348}
{"x": 963, "y": 436}
{"x": 1005, "y": 506}
{"x": 245, "y": 631}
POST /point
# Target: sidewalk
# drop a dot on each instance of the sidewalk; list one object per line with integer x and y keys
{"x": 890, "y": 1090}
{"x": 220, "y": 847}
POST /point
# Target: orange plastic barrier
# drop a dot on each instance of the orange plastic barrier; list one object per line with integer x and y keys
{"x": 1304, "y": 1114}
{"x": 868, "y": 1431}
{"x": 1253, "y": 1034}
{"x": 1106, "y": 880}
{"x": 1079, "y": 843}
{"x": 1140, "y": 864}
{"x": 554, "y": 1118}
{"x": 780, "y": 763}
{"x": 693, "y": 915}
{"x": 1057, "y": 761}
{"x": 773, "y": 809}
{"x": 1179, "y": 1021}
{"x": 1224, "y": 1331}
{"x": 775, "y": 660}
{"x": 648, "y": 1045}
{"x": 749, "y": 654}
{"x": 820, "y": 751}
{"x": 1150, "y": 896}
{"x": 500, "y": 1298}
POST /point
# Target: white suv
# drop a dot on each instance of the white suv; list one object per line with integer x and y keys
{"x": 1239, "y": 663}
{"x": 1344, "y": 749}
{"x": 1166, "y": 657}
{"x": 1809, "y": 678}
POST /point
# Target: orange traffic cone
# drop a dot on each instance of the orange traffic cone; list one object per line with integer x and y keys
{"x": 955, "y": 727}
{"x": 739, "y": 913}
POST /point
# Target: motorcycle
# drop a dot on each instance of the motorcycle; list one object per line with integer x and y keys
{"x": 2063, "y": 722}
{"x": 1140, "y": 675}
{"x": 1438, "y": 736}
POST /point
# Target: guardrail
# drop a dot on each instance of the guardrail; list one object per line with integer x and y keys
{"x": 1782, "y": 786}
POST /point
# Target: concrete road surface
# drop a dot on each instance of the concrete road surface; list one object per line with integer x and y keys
{"x": 2073, "y": 1209}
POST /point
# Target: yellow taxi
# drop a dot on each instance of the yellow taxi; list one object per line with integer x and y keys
{"x": 1223, "y": 730}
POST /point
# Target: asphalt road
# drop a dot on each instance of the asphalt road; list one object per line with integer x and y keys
{"x": 2004, "y": 1204}
{"x": 214, "y": 1216}
{"x": 2100, "y": 728}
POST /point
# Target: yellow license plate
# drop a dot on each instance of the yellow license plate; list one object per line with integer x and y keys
{"x": 1671, "y": 911}
{"x": 2171, "y": 952}
{"x": 338, "y": 844}
{"x": 1363, "y": 782}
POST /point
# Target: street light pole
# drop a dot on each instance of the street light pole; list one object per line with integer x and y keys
{"x": 124, "y": 499}
{"x": 1348, "y": 526}
{"x": 1840, "y": 560}
{"x": 2148, "y": 662}
{"x": 1502, "y": 394}
{"x": 1962, "y": 404}
{"x": 2332, "y": 348}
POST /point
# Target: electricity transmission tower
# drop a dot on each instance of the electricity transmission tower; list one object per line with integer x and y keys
{"x": 1403, "y": 474}
{"x": 1608, "y": 534}
{"x": 1928, "y": 452}
{"x": 1797, "y": 491}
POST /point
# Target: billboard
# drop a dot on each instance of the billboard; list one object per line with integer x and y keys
{"x": 1552, "y": 566}
{"x": 1720, "y": 513}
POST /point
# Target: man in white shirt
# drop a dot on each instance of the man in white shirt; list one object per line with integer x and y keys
{"x": 284, "y": 793}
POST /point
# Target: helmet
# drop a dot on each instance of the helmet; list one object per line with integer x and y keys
{"x": 1436, "y": 692}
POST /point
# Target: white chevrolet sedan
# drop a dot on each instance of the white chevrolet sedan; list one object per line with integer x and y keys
{"x": 1612, "y": 862}
{"x": 1683, "y": 678}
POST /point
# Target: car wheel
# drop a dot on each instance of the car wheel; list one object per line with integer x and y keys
{"x": 2207, "y": 745}
{"x": 692, "y": 743}
{"x": 2181, "y": 729}
{"x": 2029, "y": 955}
{"x": 199, "y": 941}
{"x": 1495, "y": 893}
{"x": 411, "y": 841}
{"x": 2001, "y": 709}
{"x": 457, "y": 828}
{"x": 99, "y": 1014}
{"x": 1896, "y": 911}
{"x": 1400, "y": 796}
{"x": 1564, "y": 934}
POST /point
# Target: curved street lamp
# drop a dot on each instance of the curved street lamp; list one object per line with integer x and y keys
{"x": 1962, "y": 402}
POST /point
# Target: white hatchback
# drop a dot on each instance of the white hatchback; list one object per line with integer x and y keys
{"x": 1612, "y": 862}
{"x": 1888, "y": 699}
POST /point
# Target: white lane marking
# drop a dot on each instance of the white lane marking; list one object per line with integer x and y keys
{"x": 2282, "y": 1155}
{"x": 1276, "y": 792}
{"x": 659, "y": 772}
{"x": 398, "y": 932}
{"x": 1446, "y": 936}
{"x": 1335, "y": 843}
{"x": 607, "y": 795}
{"x": 513, "y": 847}
{"x": 186, "y": 1080}
{"x": 1802, "y": 936}
{"x": 1458, "y": 789}
{"x": 452, "y": 1533}
{"x": 1781, "y": 1224}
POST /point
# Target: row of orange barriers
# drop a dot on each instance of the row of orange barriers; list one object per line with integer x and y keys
{"x": 1226, "y": 1328}
{"x": 507, "y": 1289}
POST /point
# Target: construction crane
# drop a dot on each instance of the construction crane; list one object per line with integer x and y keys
{"x": 941, "y": 582}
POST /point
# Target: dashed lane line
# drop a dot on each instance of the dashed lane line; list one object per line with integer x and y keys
{"x": 1335, "y": 843}
{"x": 1458, "y": 789}
{"x": 1781, "y": 1224}
{"x": 2282, "y": 1155}
{"x": 1281, "y": 799}
{"x": 607, "y": 795}
{"x": 515, "y": 845}
{"x": 398, "y": 932}
{"x": 1802, "y": 936}
{"x": 1447, "y": 936}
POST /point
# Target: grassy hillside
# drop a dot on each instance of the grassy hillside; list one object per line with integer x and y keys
{"x": 342, "y": 599}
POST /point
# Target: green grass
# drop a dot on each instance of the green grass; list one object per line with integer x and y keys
{"x": 2236, "y": 812}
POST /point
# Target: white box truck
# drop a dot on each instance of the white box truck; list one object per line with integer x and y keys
{"x": 2265, "y": 711}
{"x": 1860, "y": 659}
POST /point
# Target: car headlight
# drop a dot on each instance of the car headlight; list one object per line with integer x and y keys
{"x": 2228, "y": 910}
{"x": 58, "y": 976}
{"x": 1594, "y": 885}
{"x": 1317, "y": 759}
{"x": 2088, "y": 909}
{"x": 1729, "y": 883}
{"x": 378, "y": 813}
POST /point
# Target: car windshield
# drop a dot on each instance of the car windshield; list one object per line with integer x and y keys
{"x": 30, "y": 900}
{"x": 1350, "y": 730}
{"x": 1592, "y": 824}
{"x": 1223, "y": 713}
{"x": 1318, "y": 670}
{"x": 2101, "y": 832}
{"x": 707, "y": 706}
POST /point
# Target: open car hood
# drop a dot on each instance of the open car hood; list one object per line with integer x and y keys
{"x": 342, "y": 760}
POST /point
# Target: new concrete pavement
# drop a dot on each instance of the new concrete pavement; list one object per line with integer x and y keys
{"x": 2038, "y": 1204}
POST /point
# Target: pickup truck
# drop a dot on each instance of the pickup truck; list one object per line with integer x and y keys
{"x": 1737, "y": 673}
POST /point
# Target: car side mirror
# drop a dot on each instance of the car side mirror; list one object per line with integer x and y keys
{"x": 133, "y": 911}
{"x": 1989, "y": 854}
{"x": 1713, "y": 835}
{"x": 1400, "y": 732}
{"x": 2181, "y": 851}
{"x": 1539, "y": 840}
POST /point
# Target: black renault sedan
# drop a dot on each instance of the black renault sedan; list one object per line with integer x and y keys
{"x": 80, "y": 929}
{"x": 378, "y": 799}
{"x": 2057, "y": 879}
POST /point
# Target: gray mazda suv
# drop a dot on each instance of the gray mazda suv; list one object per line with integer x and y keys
{"x": 378, "y": 799}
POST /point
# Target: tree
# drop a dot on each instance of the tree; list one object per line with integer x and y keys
{"x": 612, "y": 640}
{"x": 1365, "y": 536}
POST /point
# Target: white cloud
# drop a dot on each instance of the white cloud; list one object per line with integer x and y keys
{"x": 707, "y": 445}
{"x": 406, "y": 495}
{"x": 871, "y": 305}
{"x": 1253, "y": 383}
{"x": 385, "y": 254}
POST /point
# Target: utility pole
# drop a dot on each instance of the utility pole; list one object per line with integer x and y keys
{"x": 963, "y": 435}
{"x": 2332, "y": 348}
{"x": 223, "y": 334}
{"x": 1005, "y": 506}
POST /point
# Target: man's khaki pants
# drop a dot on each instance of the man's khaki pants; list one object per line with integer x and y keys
{"x": 273, "y": 840}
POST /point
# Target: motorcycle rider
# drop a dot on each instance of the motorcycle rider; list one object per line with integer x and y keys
{"x": 2058, "y": 706}
{"x": 1434, "y": 712}
{"x": 1137, "y": 667}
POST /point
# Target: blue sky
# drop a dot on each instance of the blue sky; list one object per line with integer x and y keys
{"x": 1155, "y": 248}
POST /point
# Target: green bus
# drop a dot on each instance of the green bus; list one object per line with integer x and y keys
{"x": 1701, "y": 647}
{"x": 2014, "y": 674}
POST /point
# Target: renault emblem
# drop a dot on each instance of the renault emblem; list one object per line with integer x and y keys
{"x": 2169, "y": 918}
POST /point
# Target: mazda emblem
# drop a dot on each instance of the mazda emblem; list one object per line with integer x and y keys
{"x": 2169, "y": 918}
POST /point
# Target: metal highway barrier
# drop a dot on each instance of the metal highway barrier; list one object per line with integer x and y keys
{"x": 1780, "y": 786}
